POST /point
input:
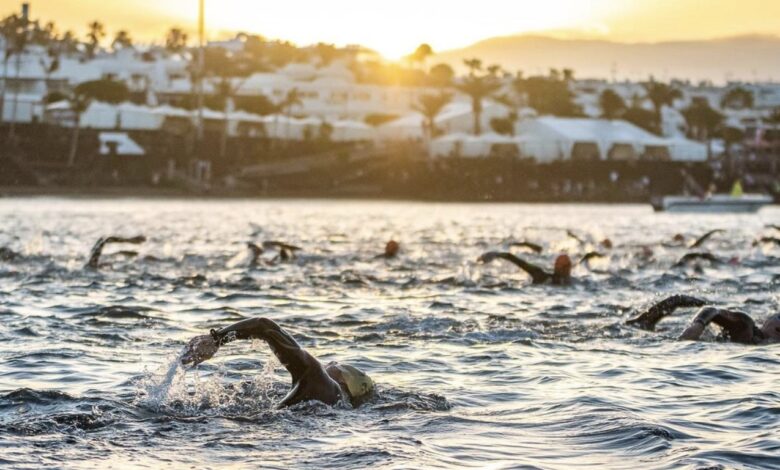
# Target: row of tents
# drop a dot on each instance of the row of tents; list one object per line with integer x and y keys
{"x": 541, "y": 138}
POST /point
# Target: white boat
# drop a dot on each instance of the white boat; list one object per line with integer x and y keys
{"x": 746, "y": 203}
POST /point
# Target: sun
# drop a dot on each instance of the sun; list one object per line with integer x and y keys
{"x": 396, "y": 28}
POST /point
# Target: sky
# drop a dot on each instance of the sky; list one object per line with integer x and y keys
{"x": 396, "y": 27}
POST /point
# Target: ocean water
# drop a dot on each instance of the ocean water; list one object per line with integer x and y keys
{"x": 475, "y": 366}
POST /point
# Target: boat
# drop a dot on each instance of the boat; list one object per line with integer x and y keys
{"x": 716, "y": 203}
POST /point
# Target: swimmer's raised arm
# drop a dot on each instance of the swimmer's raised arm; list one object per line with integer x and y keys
{"x": 525, "y": 244}
{"x": 538, "y": 275}
{"x": 97, "y": 248}
{"x": 285, "y": 348}
{"x": 648, "y": 319}
{"x": 696, "y": 256}
{"x": 701, "y": 240}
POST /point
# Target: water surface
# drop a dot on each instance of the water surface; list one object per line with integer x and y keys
{"x": 475, "y": 366}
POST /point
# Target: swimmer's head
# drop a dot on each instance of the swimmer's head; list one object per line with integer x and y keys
{"x": 562, "y": 268}
{"x": 356, "y": 383}
{"x": 771, "y": 328}
{"x": 391, "y": 249}
{"x": 606, "y": 243}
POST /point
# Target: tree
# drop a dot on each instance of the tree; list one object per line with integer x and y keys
{"x": 17, "y": 34}
{"x": 612, "y": 104}
{"x": 643, "y": 118}
{"x": 738, "y": 98}
{"x": 376, "y": 120}
{"x": 108, "y": 91}
{"x": 122, "y": 40}
{"x": 703, "y": 121}
{"x": 430, "y": 106}
{"x": 731, "y": 137}
{"x": 96, "y": 32}
{"x": 660, "y": 94}
{"x": 421, "y": 54}
{"x": 326, "y": 53}
{"x": 477, "y": 87}
{"x": 256, "y": 104}
{"x": 79, "y": 104}
{"x": 441, "y": 75}
{"x": 503, "y": 126}
{"x": 549, "y": 94}
{"x": 176, "y": 41}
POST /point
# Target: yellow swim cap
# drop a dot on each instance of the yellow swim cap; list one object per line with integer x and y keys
{"x": 355, "y": 382}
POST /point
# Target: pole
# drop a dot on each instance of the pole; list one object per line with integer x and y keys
{"x": 201, "y": 64}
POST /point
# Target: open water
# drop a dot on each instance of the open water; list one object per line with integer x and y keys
{"x": 475, "y": 366}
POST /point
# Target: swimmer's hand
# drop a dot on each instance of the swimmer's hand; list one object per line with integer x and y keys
{"x": 200, "y": 349}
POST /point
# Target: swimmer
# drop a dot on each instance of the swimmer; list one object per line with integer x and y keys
{"x": 311, "y": 380}
{"x": 561, "y": 274}
{"x": 391, "y": 250}
{"x": 97, "y": 249}
{"x": 773, "y": 227}
{"x": 736, "y": 326}
{"x": 679, "y": 241}
{"x": 525, "y": 244}
{"x": 762, "y": 240}
{"x": 589, "y": 256}
{"x": 7, "y": 254}
{"x": 257, "y": 252}
{"x": 703, "y": 239}
{"x": 696, "y": 256}
{"x": 286, "y": 251}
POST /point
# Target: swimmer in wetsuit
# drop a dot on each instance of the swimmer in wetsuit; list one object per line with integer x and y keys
{"x": 287, "y": 252}
{"x": 736, "y": 326}
{"x": 311, "y": 380}
{"x": 7, "y": 254}
{"x": 560, "y": 276}
{"x": 391, "y": 250}
{"x": 97, "y": 249}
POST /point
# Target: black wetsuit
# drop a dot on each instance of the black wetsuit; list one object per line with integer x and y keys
{"x": 538, "y": 275}
{"x": 310, "y": 381}
{"x": 736, "y": 326}
{"x": 97, "y": 249}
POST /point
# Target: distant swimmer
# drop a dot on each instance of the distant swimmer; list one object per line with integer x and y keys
{"x": 762, "y": 240}
{"x": 679, "y": 240}
{"x": 256, "y": 253}
{"x": 287, "y": 252}
{"x": 391, "y": 250}
{"x": 526, "y": 244}
{"x": 575, "y": 237}
{"x": 773, "y": 227}
{"x": 97, "y": 249}
{"x": 311, "y": 380}
{"x": 7, "y": 254}
{"x": 697, "y": 256}
{"x": 703, "y": 239}
{"x": 736, "y": 326}
{"x": 561, "y": 274}
{"x": 590, "y": 256}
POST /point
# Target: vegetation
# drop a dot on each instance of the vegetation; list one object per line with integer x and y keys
{"x": 478, "y": 86}
{"x": 549, "y": 95}
{"x": 738, "y": 98}
{"x": 107, "y": 91}
{"x": 612, "y": 105}
{"x": 430, "y": 106}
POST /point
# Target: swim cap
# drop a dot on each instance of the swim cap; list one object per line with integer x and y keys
{"x": 563, "y": 265}
{"x": 352, "y": 380}
{"x": 391, "y": 249}
{"x": 771, "y": 328}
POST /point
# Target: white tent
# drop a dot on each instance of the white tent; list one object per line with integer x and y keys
{"x": 468, "y": 146}
{"x": 351, "y": 131}
{"x": 122, "y": 143}
{"x": 135, "y": 117}
{"x": 409, "y": 127}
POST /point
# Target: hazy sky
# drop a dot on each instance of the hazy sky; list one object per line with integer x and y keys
{"x": 396, "y": 27}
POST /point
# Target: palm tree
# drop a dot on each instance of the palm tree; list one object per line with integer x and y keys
{"x": 79, "y": 104}
{"x": 612, "y": 104}
{"x": 292, "y": 99}
{"x": 477, "y": 87}
{"x": 122, "y": 40}
{"x": 17, "y": 40}
{"x": 176, "y": 40}
{"x": 95, "y": 34}
{"x": 513, "y": 104}
{"x": 660, "y": 94}
{"x": 430, "y": 106}
{"x": 421, "y": 54}
{"x": 738, "y": 98}
{"x": 703, "y": 121}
